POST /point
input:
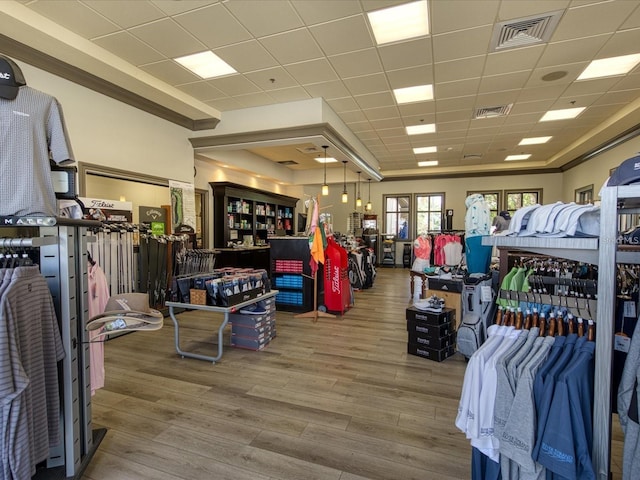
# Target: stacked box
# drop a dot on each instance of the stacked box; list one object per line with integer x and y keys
{"x": 431, "y": 334}
{"x": 254, "y": 332}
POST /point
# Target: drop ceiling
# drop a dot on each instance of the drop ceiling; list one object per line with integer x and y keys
{"x": 293, "y": 50}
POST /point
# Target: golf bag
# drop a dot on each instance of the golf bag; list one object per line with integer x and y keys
{"x": 478, "y": 311}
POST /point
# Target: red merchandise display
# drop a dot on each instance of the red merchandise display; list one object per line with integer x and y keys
{"x": 337, "y": 288}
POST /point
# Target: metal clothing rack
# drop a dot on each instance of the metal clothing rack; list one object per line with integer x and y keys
{"x": 604, "y": 252}
{"x": 63, "y": 263}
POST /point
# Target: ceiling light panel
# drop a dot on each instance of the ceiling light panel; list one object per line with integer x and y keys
{"x": 428, "y": 163}
{"x": 518, "y": 157}
{"x": 609, "y": 67}
{"x": 419, "y": 150}
{"x": 400, "y": 22}
{"x": 420, "y": 129}
{"x": 419, "y": 93}
{"x": 328, "y": 160}
{"x": 206, "y": 65}
{"x": 562, "y": 114}
{"x": 534, "y": 140}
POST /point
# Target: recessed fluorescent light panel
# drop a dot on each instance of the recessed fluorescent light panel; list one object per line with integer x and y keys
{"x": 400, "y": 22}
{"x": 610, "y": 67}
{"x": 327, "y": 160}
{"x": 419, "y": 129}
{"x": 562, "y": 114}
{"x": 428, "y": 163}
{"x": 418, "y": 93}
{"x": 420, "y": 150}
{"x": 206, "y": 65}
{"x": 534, "y": 140}
{"x": 518, "y": 157}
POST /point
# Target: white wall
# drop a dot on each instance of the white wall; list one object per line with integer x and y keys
{"x": 104, "y": 131}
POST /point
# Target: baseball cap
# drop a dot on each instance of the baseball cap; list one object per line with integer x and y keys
{"x": 130, "y": 309}
{"x": 11, "y": 78}
{"x": 626, "y": 173}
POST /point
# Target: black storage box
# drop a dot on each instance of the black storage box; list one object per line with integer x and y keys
{"x": 437, "y": 355}
{"x": 431, "y": 342}
{"x": 447, "y": 315}
{"x": 430, "y": 331}
{"x": 448, "y": 285}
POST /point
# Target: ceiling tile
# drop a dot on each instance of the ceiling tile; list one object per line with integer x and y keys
{"x": 406, "y": 54}
{"x": 156, "y": 34}
{"x": 77, "y": 17}
{"x": 373, "y": 100}
{"x": 386, "y": 123}
{"x": 291, "y": 94}
{"x": 291, "y": 47}
{"x": 572, "y": 51}
{"x": 367, "y": 84}
{"x": 170, "y": 72}
{"x": 459, "y": 69}
{"x": 573, "y": 71}
{"x": 313, "y": 71}
{"x": 225, "y": 104}
{"x": 214, "y": 26}
{"x": 369, "y": 136}
{"x": 527, "y": 8}
{"x": 633, "y": 21}
{"x": 382, "y": 113}
{"x": 234, "y": 85}
{"x": 456, "y": 126}
{"x": 506, "y": 81}
{"x": 586, "y": 87}
{"x": 281, "y": 77}
{"x": 621, "y": 43}
{"x": 526, "y": 118}
{"x": 418, "y": 108}
{"x": 360, "y": 126}
{"x": 258, "y": 99}
{"x": 246, "y": 56}
{"x": 125, "y": 13}
{"x": 201, "y": 90}
{"x": 129, "y": 48}
{"x": 513, "y": 60}
{"x": 530, "y": 107}
{"x": 171, "y": 7}
{"x": 457, "y": 89}
{"x": 355, "y": 116}
{"x": 252, "y": 14}
{"x": 353, "y": 64}
{"x": 344, "y": 35}
{"x": 345, "y": 104}
{"x": 317, "y": 12}
{"x": 453, "y": 116}
{"x": 550, "y": 90}
{"x": 628, "y": 82}
{"x": 595, "y": 19}
{"x": 447, "y": 16}
{"x": 328, "y": 90}
{"x": 461, "y": 44}
{"x": 418, "y": 119}
{"x": 398, "y": 133}
{"x": 409, "y": 77}
{"x": 457, "y": 103}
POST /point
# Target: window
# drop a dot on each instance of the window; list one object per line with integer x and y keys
{"x": 516, "y": 199}
{"x": 397, "y": 210}
{"x": 429, "y": 212}
{"x": 493, "y": 200}
{"x": 584, "y": 195}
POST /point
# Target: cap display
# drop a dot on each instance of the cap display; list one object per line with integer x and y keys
{"x": 127, "y": 312}
{"x": 626, "y": 173}
{"x": 11, "y": 78}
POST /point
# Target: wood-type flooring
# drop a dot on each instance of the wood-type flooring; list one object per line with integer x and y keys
{"x": 339, "y": 399}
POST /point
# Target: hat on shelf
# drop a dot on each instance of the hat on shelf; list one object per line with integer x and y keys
{"x": 11, "y": 78}
{"x": 504, "y": 214}
{"x": 626, "y": 173}
{"x": 127, "y": 312}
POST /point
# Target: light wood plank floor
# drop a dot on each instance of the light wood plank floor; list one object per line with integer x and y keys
{"x": 339, "y": 399}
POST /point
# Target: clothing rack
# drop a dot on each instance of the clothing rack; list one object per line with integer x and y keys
{"x": 63, "y": 263}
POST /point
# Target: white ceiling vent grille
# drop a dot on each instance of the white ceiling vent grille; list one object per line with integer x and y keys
{"x": 524, "y": 31}
{"x": 491, "y": 112}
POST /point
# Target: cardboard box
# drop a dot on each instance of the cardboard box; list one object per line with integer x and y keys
{"x": 437, "y": 355}
{"x": 430, "y": 331}
{"x": 431, "y": 342}
{"x": 447, "y": 315}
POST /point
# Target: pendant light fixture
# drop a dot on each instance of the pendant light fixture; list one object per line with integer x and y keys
{"x": 358, "y": 199}
{"x": 369, "y": 207}
{"x": 325, "y": 187}
{"x": 345, "y": 195}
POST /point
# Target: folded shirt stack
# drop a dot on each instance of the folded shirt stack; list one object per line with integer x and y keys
{"x": 556, "y": 220}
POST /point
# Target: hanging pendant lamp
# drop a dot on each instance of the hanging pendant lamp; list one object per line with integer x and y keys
{"x": 325, "y": 187}
{"x": 345, "y": 195}
{"x": 358, "y": 199}
{"x": 369, "y": 207}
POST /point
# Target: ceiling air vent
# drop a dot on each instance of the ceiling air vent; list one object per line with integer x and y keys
{"x": 310, "y": 150}
{"x": 523, "y": 32}
{"x": 472, "y": 156}
{"x": 288, "y": 162}
{"x": 490, "y": 112}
